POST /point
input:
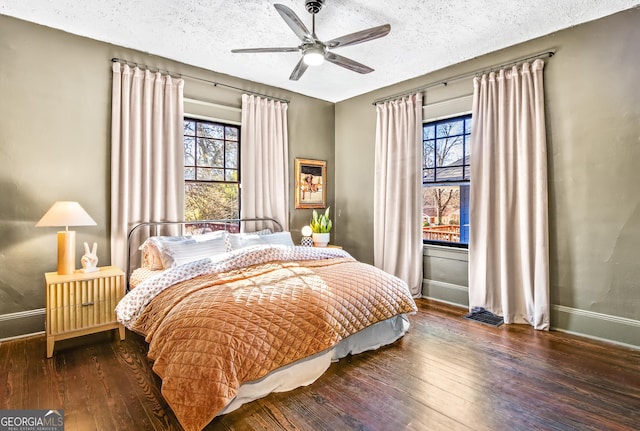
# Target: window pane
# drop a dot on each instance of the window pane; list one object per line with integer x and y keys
{"x": 211, "y": 201}
{"x": 441, "y": 214}
{"x": 189, "y": 151}
{"x": 231, "y": 175}
{"x": 428, "y": 175}
{"x": 210, "y": 130}
{"x": 467, "y": 126}
{"x": 449, "y": 174}
{"x": 210, "y": 152}
{"x": 231, "y": 159}
{"x": 441, "y": 204}
{"x": 428, "y": 154}
{"x": 218, "y": 155}
{"x": 210, "y": 174}
{"x": 231, "y": 133}
{"x": 450, "y": 151}
{"x": 189, "y": 173}
{"x": 467, "y": 148}
{"x": 203, "y": 174}
{"x": 428, "y": 132}
{"x": 449, "y": 128}
{"x": 189, "y": 127}
{"x": 205, "y": 148}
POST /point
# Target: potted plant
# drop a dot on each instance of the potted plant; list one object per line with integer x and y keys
{"x": 321, "y": 226}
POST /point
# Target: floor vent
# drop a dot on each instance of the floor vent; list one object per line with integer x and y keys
{"x": 479, "y": 314}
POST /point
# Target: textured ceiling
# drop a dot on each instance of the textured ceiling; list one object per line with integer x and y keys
{"x": 426, "y": 35}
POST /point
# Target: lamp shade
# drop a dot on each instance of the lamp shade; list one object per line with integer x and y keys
{"x": 306, "y": 231}
{"x": 66, "y": 214}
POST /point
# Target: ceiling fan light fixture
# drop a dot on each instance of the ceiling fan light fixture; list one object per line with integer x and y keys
{"x": 313, "y": 56}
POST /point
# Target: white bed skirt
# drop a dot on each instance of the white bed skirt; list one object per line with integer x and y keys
{"x": 308, "y": 370}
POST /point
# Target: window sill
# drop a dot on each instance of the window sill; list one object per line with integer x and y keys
{"x": 446, "y": 244}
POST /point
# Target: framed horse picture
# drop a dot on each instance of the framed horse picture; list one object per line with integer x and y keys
{"x": 311, "y": 183}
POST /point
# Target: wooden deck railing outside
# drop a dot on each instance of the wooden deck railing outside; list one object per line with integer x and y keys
{"x": 450, "y": 233}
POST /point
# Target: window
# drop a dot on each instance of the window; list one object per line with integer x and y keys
{"x": 446, "y": 173}
{"x": 211, "y": 170}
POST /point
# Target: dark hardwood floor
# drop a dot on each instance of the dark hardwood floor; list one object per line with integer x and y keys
{"x": 447, "y": 373}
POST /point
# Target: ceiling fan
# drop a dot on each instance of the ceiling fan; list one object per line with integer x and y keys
{"x": 314, "y": 51}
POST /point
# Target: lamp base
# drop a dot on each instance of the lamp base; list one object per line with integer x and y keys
{"x": 66, "y": 252}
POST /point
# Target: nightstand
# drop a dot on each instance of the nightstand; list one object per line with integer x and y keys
{"x": 82, "y": 303}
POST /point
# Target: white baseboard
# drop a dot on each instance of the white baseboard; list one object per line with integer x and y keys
{"x": 599, "y": 326}
{"x": 17, "y": 337}
{"x": 22, "y": 324}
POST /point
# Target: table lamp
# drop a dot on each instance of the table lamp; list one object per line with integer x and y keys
{"x": 66, "y": 214}
{"x": 306, "y": 232}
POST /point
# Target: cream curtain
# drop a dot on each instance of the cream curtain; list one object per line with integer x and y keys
{"x": 508, "y": 244}
{"x": 397, "y": 202}
{"x": 147, "y": 152}
{"x": 264, "y": 159}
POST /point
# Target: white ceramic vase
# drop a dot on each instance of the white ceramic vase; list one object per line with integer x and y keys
{"x": 321, "y": 239}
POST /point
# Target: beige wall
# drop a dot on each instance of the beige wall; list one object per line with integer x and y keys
{"x": 55, "y": 116}
{"x": 593, "y": 114}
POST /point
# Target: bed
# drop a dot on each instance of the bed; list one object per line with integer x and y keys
{"x": 233, "y": 313}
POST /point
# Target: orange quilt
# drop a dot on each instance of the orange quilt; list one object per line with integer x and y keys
{"x": 210, "y": 334}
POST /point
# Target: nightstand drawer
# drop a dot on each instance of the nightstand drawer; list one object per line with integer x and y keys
{"x": 82, "y": 303}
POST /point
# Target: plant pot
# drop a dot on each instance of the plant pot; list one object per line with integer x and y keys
{"x": 321, "y": 239}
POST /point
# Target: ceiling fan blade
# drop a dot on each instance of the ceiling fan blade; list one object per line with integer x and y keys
{"x": 347, "y": 63}
{"x": 300, "y": 68}
{"x": 359, "y": 36}
{"x": 293, "y": 22}
{"x": 245, "y": 50}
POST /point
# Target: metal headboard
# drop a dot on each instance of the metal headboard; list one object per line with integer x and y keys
{"x": 230, "y": 225}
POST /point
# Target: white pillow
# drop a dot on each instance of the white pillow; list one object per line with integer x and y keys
{"x": 260, "y": 232}
{"x": 241, "y": 240}
{"x": 178, "y": 253}
{"x": 278, "y": 238}
{"x": 152, "y": 250}
{"x": 154, "y": 246}
{"x": 217, "y": 234}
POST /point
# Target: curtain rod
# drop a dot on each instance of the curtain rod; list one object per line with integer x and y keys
{"x": 549, "y": 53}
{"x": 195, "y": 78}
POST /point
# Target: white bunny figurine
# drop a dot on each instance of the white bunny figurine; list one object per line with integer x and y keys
{"x": 90, "y": 259}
